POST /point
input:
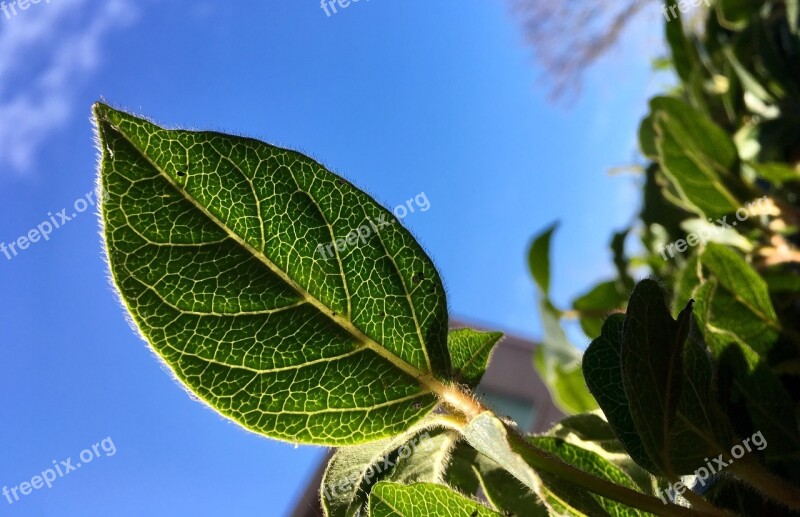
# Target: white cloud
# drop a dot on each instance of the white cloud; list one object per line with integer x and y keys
{"x": 47, "y": 53}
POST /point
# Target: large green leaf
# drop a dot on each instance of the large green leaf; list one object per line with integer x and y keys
{"x": 248, "y": 270}
{"x": 668, "y": 383}
{"x": 696, "y": 155}
{"x": 422, "y": 500}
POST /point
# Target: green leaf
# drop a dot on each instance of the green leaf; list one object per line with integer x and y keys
{"x": 470, "y": 351}
{"x": 697, "y": 156}
{"x": 590, "y": 431}
{"x": 592, "y": 463}
{"x": 593, "y": 306}
{"x": 602, "y": 368}
{"x": 487, "y": 435}
{"x": 647, "y": 138}
{"x": 793, "y": 15}
{"x": 506, "y": 494}
{"x": 684, "y": 55}
{"x": 741, "y": 306}
{"x": 652, "y": 362}
{"x": 668, "y": 384}
{"x": 768, "y": 403}
{"x": 214, "y": 243}
{"x": 470, "y": 472}
{"x": 539, "y": 258}
{"x": 775, "y": 172}
{"x": 558, "y": 363}
{"x": 422, "y": 500}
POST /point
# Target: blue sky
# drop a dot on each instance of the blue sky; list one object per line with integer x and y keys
{"x": 399, "y": 97}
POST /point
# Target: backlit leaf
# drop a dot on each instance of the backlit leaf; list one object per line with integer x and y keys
{"x": 242, "y": 265}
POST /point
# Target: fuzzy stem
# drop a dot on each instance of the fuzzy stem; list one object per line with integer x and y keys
{"x": 755, "y": 475}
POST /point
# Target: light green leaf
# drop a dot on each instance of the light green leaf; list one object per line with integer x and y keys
{"x": 558, "y": 363}
{"x": 776, "y": 172}
{"x": 696, "y": 155}
{"x": 793, "y": 15}
{"x": 600, "y": 301}
{"x": 504, "y": 492}
{"x": 715, "y": 233}
{"x": 742, "y": 305}
{"x": 487, "y": 435}
{"x": 422, "y": 500}
{"x": 216, "y": 244}
{"x": 470, "y": 351}
{"x": 539, "y": 258}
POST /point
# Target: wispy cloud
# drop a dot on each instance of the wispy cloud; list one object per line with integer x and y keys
{"x": 47, "y": 53}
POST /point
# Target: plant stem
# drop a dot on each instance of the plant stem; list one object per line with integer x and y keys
{"x": 755, "y": 475}
{"x": 543, "y": 461}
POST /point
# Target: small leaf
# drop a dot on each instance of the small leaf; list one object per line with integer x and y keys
{"x": 470, "y": 351}
{"x": 217, "y": 245}
{"x": 593, "y": 306}
{"x": 539, "y": 258}
{"x": 422, "y": 500}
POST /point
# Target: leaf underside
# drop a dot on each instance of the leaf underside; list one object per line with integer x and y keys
{"x": 213, "y": 243}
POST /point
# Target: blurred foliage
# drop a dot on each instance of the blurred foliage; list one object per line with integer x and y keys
{"x": 718, "y": 233}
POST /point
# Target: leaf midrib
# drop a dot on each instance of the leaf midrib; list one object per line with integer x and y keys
{"x": 426, "y": 379}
